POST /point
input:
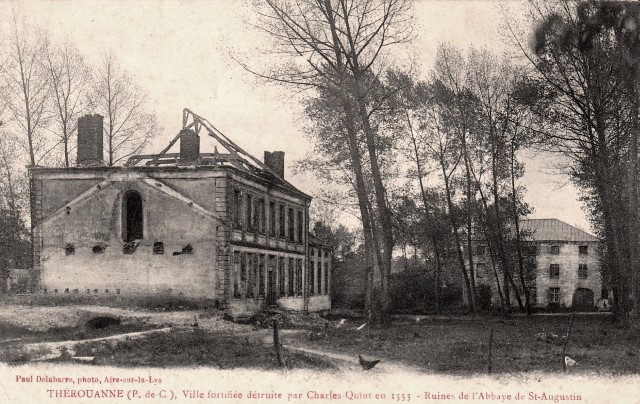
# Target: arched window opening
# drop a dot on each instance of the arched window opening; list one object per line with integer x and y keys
{"x": 132, "y": 216}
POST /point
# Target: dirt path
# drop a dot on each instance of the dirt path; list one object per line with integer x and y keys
{"x": 292, "y": 340}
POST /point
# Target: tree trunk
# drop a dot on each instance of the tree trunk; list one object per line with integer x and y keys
{"x": 516, "y": 220}
{"x": 456, "y": 236}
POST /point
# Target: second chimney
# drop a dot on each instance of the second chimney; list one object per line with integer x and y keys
{"x": 275, "y": 161}
{"x": 90, "y": 148}
{"x": 189, "y": 147}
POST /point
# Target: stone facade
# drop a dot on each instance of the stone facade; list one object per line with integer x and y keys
{"x": 564, "y": 263}
{"x": 206, "y": 227}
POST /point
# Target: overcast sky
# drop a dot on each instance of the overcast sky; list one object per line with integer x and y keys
{"x": 180, "y": 53}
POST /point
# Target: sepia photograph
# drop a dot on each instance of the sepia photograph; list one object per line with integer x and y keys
{"x": 310, "y": 201}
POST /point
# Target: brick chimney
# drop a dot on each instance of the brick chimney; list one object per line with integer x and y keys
{"x": 189, "y": 147}
{"x": 90, "y": 148}
{"x": 275, "y": 161}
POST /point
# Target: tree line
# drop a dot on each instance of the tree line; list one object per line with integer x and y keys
{"x": 433, "y": 160}
{"x": 45, "y": 86}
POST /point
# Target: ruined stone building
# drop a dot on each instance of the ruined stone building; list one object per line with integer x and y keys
{"x": 562, "y": 260}
{"x": 220, "y": 226}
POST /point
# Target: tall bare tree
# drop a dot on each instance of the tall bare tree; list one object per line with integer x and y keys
{"x": 70, "y": 79}
{"x": 128, "y": 127}
{"x": 25, "y": 88}
{"x": 342, "y": 44}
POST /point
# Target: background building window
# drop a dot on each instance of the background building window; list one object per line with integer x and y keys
{"x": 554, "y": 271}
{"x": 300, "y": 226}
{"x": 533, "y": 295}
{"x": 553, "y": 295}
{"x": 480, "y": 250}
{"x": 582, "y": 271}
{"x": 583, "y": 249}
{"x": 481, "y": 270}
{"x": 555, "y": 249}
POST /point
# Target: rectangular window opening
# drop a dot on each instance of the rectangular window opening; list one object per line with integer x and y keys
{"x": 272, "y": 219}
{"x": 582, "y": 271}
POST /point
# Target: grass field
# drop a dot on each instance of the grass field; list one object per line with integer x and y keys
{"x": 461, "y": 345}
{"x": 455, "y": 345}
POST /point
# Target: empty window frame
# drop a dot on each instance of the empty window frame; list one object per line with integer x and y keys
{"x": 312, "y": 278}
{"x": 325, "y": 278}
{"x": 553, "y": 295}
{"x": 259, "y": 218}
{"x": 291, "y": 225}
{"x": 554, "y": 271}
{"x": 261, "y": 265}
{"x": 243, "y": 274}
{"x": 249, "y": 219}
{"x": 299, "y": 277}
{"x": 281, "y": 276}
{"x": 237, "y": 209}
{"x": 555, "y": 249}
{"x": 291, "y": 280}
{"x": 480, "y": 250}
{"x": 281, "y": 218}
{"x": 236, "y": 274}
{"x": 583, "y": 249}
{"x": 272, "y": 219}
{"x": 583, "y": 273}
{"x": 251, "y": 268}
{"x": 132, "y": 216}
{"x": 320, "y": 278}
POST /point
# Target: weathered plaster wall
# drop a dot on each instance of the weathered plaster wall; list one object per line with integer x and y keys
{"x": 97, "y": 219}
{"x": 319, "y": 303}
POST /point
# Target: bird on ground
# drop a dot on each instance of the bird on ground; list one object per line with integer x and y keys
{"x": 341, "y": 323}
{"x": 569, "y": 362}
{"x": 367, "y": 365}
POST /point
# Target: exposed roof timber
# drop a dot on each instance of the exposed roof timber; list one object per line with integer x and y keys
{"x": 195, "y": 122}
{"x": 235, "y": 156}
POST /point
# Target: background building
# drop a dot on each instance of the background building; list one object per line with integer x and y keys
{"x": 563, "y": 262}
